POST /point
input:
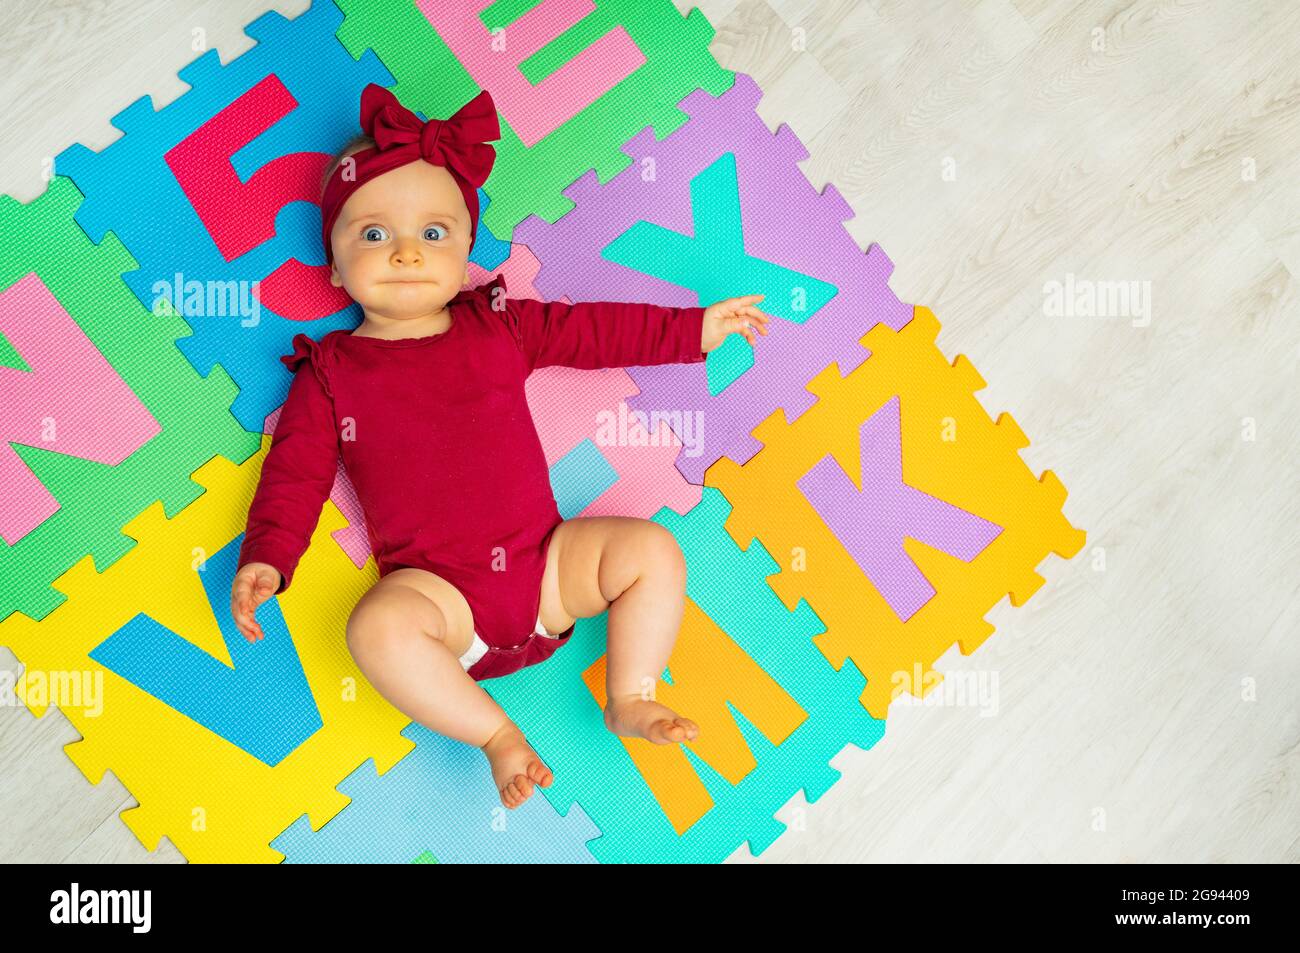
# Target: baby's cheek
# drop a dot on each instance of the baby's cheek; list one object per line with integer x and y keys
{"x": 362, "y": 274}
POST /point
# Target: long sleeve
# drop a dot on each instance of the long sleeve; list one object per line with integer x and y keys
{"x": 595, "y": 334}
{"x": 298, "y": 472}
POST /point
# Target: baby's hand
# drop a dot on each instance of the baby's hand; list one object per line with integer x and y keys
{"x": 254, "y": 584}
{"x": 734, "y": 315}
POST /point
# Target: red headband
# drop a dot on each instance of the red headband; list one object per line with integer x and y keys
{"x": 458, "y": 144}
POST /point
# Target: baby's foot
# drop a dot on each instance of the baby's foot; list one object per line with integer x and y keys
{"x": 515, "y": 765}
{"x": 637, "y": 717}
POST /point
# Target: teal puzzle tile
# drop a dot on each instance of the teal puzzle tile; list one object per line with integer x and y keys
{"x": 591, "y": 766}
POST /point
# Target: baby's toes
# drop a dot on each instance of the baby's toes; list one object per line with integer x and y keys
{"x": 668, "y": 730}
{"x": 539, "y": 773}
{"x": 517, "y": 791}
{"x": 672, "y": 730}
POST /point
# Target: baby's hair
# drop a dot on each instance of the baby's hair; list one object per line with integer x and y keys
{"x": 356, "y": 145}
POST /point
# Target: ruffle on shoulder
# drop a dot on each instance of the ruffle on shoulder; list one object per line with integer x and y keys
{"x": 305, "y": 349}
{"x": 483, "y": 291}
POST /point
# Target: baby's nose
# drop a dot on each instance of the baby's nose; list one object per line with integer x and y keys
{"x": 407, "y": 255}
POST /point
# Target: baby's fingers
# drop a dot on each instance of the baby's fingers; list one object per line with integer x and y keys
{"x": 243, "y": 608}
{"x": 734, "y": 305}
{"x": 252, "y": 631}
{"x": 246, "y": 622}
{"x": 745, "y": 330}
{"x": 746, "y": 324}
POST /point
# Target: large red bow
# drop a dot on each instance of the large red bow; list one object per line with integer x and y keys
{"x": 459, "y": 144}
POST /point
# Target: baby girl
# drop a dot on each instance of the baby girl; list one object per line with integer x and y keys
{"x": 478, "y": 574}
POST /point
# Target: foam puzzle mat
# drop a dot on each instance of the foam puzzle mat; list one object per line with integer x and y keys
{"x": 849, "y": 513}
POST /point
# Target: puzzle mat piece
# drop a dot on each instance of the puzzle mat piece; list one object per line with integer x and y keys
{"x": 577, "y": 407}
{"x": 951, "y": 450}
{"x": 65, "y": 308}
{"x": 232, "y": 228}
{"x": 772, "y": 714}
{"x": 35, "y": 325}
{"x": 233, "y": 166}
{"x": 553, "y": 93}
{"x": 646, "y": 248}
{"x": 572, "y": 405}
{"x": 440, "y": 797}
{"x": 218, "y": 800}
{"x": 716, "y": 222}
{"x": 438, "y": 74}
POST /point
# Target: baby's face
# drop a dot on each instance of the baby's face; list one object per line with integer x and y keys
{"x": 401, "y": 242}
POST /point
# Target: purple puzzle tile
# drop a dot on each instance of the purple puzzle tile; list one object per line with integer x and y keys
{"x": 784, "y": 221}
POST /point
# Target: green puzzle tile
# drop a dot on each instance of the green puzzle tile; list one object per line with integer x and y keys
{"x": 193, "y": 412}
{"x": 530, "y": 181}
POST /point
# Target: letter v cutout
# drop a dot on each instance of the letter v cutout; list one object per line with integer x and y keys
{"x": 262, "y": 705}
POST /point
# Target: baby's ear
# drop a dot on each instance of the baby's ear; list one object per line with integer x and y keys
{"x": 335, "y": 279}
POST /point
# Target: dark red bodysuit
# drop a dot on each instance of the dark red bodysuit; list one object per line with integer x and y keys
{"x": 437, "y": 438}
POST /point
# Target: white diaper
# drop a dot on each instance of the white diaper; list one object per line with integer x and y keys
{"x": 479, "y": 648}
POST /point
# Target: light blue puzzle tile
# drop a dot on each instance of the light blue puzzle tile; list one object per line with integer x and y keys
{"x": 580, "y": 477}
{"x": 131, "y": 191}
{"x": 439, "y": 799}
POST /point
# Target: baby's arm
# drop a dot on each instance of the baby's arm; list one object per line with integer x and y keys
{"x": 297, "y": 476}
{"x": 595, "y": 334}
{"x": 592, "y": 334}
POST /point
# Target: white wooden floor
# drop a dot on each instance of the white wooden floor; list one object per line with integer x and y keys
{"x": 1151, "y": 711}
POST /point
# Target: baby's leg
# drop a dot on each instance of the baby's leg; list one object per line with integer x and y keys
{"x": 407, "y": 635}
{"x": 635, "y": 568}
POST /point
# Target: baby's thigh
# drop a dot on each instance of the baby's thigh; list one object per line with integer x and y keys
{"x": 414, "y": 600}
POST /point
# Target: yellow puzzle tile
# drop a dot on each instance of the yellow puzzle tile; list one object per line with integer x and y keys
{"x": 215, "y": 801}
{"x": 952, "y": 450}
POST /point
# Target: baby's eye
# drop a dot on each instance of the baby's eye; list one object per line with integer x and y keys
{"x": 435, "y": 233}
{"x": 368, "y": 233}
